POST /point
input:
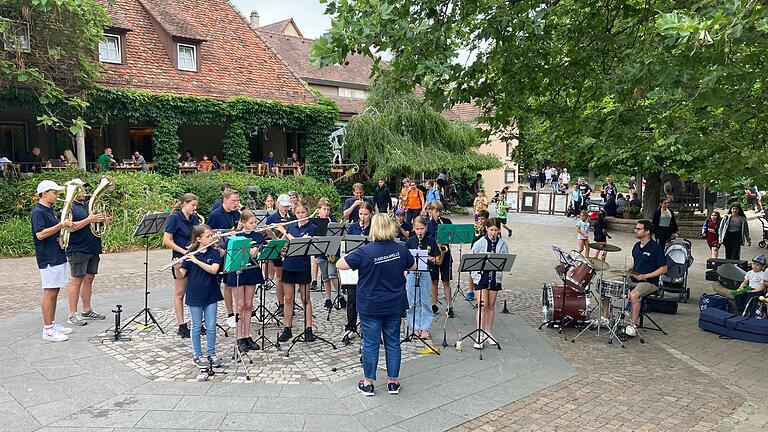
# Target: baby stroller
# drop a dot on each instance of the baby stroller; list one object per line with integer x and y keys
{"x": 764, "y": 222}
{"x": 679, "y": 259}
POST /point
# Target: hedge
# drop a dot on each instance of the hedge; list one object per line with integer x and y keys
{"x": 136, "y": 194}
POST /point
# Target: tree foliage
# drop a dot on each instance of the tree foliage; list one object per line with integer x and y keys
{"x": 61, "y": 64}
{"x": 400, "y": 133}
{"x": 655, "y": 85}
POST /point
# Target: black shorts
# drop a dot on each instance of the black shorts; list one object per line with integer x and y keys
{"x": 485, "y": 283}
{"x": 502, "y": 220}
{"x": 81, "y": 264}
{"x": 278, "y": 263}
{"x": 444, "y": 271}
{"x": 296, "y": 277}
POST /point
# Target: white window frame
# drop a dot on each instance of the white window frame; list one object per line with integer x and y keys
{"x": 178, "y": 57}
{"x": 353, "y": 93}
{"x": 119, "y": 59}
{"x": 17, "y": 37}
{"x": 507, "y": 172}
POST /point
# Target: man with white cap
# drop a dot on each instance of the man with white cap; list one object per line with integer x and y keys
{"x": 51, "y": 260}
{"x": 282, "y": 215}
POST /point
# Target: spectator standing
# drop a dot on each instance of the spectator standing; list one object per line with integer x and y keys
{"x": 382, "y": 197}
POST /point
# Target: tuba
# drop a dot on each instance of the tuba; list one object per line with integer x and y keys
{"x": 97, "y": 205}
{"x": 73, "y": 189}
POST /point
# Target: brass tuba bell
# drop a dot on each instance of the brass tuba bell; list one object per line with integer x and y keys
{"x": 73, "y": 188}
{"x": 97, "y": 205}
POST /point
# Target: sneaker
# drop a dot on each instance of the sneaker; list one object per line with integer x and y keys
{"x": 492, "y": 339}
{"x": 231, "y": 322}
{"x": 314, "y": 286}
{"x": 216, "y": 360}
{"x": 342, "y": 302}
{"x": 450, "y": 313}
{"x": 348, "y": 335}
{"x": 470, "y": 295}
{"x": 242, "y": 345}
{"x": 286, "y": 335}
{"x": 367, "y": 390}
{"x": 328, "y": 304}
{"x": 477, "y": 345}
{"x": 603, "y": 321}
{"x": 393, "y": 387}
{"x": 51, "y": 335}
{"x": 61, "y": 329}
{"x": 435, "y": 309}
{"x": 183, "y": 331}
{"x": 252, "y": 345}
{"x": 630, "y": 330}
{"x": 509, "y": 232}
{"x": 309, "y": 336}
{"x": 75, "y": 320}
{"x": 201, "y": 362}
{"x": 92, "y": 315}
{"x": 280, "y": 310}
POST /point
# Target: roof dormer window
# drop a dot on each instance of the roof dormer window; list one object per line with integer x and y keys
{"x": 187, "y": 57}
{"x": 110, "y": 49}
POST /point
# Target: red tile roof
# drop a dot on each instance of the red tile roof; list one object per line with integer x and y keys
{"x": 280, "y": 26}
{"x": 233, "y": 61}
{"x": 349, "y": 106}
{"x": 466, "y": 111}
{"x": 295, "y": 52}
{"x": 118, "y": 20}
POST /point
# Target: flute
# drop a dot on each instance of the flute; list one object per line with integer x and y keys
{"x": 189, "y": 254}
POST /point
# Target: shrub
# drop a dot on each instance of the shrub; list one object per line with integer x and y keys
{"x": 135, "y": 195}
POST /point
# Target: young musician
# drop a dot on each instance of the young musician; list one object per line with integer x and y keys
{"x": 327, "y": 264}
{"x": 482, "y": 216}
{"x": 226, "y": 218}
{"x": 443, "y": 271}
{"x": 403, "y": 227}
{"x": 269, "y": 202}
{"x": 353, "y": 203}
{"x": 203, "y": 293}
{"x": 224, "y": 188}
{"x": 50, "y": 258}
{"x": 177, "y": 236}
{"x": 244, "y": 287}
{"x": 282, "y": 215}
{"x": 296, "y": 271}
{"x": 420, "y": 306}
{"x": 382, "y": 300}
{"x": 362, "y": 227}
{"x": 83, "y": 255}
{"x": 488, "y": 283}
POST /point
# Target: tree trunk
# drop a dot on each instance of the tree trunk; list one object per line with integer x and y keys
{"x": 651, "y": 194}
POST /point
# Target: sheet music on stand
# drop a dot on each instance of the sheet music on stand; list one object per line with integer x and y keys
{"x": 261, "y": 217}
{"x": 313, "y": 246}
{"x": 421, "y": 256}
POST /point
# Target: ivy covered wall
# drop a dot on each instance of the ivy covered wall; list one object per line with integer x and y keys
{"x": 167, "y": 113}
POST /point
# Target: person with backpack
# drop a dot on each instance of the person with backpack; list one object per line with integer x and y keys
{"x": 414, "y": 202}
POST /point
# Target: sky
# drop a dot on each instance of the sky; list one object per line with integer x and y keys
{"x": 308, "y": 14}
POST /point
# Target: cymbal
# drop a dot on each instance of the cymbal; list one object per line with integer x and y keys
{"x": 605, "y": 247}
{"x": 599, "y": 264}
{"x": 620, "y": 272}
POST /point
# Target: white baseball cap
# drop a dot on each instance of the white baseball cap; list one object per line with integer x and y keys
{"x": 284, "y": 200}
{"x": 47, "y": 185}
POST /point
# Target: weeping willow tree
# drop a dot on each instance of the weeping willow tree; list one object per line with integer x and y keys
{"x": 401, "y": 134}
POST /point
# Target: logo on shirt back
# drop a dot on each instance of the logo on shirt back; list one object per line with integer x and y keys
{"x": 386, "y": 258}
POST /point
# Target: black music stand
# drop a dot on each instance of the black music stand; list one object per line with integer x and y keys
{"x": 334, "y": 229}
{"x": 460, "y": 234}
{"x": 270, "y": 252}
{"x": 310, "y": 246}
{"x": 352, "y": 242}
{"x": 238, "y": 259}
{"x": 485, "y": 262}
{"x": 151, "y": 223}
{"x": 421, "y": 266}
{"x": 261, "y": 222}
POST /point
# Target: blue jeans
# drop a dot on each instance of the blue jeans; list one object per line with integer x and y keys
{"x": 374, "y": 328}
{"x": 420, "y": 305}
{"x": 196, "y": 313}
{"x": 554, "y": 186}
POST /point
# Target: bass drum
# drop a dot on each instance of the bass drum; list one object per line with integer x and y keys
{"x": 554, "y": 308}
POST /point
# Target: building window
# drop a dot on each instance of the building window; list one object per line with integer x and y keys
{"x": 13, "y": 140}
{"x": 109, "y": 49}
{"x": 352, "y": 93}
{"x": 16, "y": 36}
{"x": 187, "y": 57}
{"x": 510, "y": 175}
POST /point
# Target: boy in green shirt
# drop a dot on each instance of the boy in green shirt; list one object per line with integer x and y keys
{"x": 502, "y": 207}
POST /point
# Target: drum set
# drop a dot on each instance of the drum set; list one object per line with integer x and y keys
{"x": 573, "y": 302}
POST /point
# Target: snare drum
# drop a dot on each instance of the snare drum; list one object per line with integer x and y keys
{"x": 613, "y": 288}
{"x": 558, "y": 302}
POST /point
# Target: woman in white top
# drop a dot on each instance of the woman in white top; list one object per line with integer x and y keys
{"x": 665, "y": 223}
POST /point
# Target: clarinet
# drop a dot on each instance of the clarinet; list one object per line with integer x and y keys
{"x": 492, "y": 280}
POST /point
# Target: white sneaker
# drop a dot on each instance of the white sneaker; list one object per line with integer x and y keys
{"x": 53, "y": 336}
{"x": 477, "y": 345}
{"x": 231, "y": 323}
{"x": 491, "y": 340}
{"x": 61, "y": 329}
{"x": 348, "y": 335}
{"x": 630, "y": 330}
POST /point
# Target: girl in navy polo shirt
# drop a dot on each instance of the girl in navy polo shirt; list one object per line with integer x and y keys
{"x": 488, "y": 284}
{"x": 443, "y": 271}
{"x": 245, "y": 286}
{"x": 297, "y": 271}
{"x": 420, "y": 306}
{"x": 203, "y": 293}
{"x": 177, "y": 236}
{"x": 361, "y": 227}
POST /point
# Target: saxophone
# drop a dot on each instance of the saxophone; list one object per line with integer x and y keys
{"x": 443, "y": 249}
{"x": 97, "y": 205}
{"x": 73, "y": 189}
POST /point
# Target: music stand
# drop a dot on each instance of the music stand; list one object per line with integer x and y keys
{"x": 261, "y": 222}
{"x": 151, "y": 223}
{"x": 268, "y": 253}
{"x": 351, "y": 242}
{"x": 485, "y": 262}
{"x": 336, "y": 229}
{"x": 460, "y": 234}
{"x": 421, "y": 257}
{"x": 236, "y": 259}
{"x": 310, "y": 246}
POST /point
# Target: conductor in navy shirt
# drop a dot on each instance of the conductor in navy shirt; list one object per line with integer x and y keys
{"x": 381, "y": 299}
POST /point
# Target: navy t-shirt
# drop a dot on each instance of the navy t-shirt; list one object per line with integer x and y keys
{"x": 648, "y": 259}
{"x": 299, "y": 263}
{"x": 275, "y": 218}
{"x": 47, "y": 251}
{"x": 356, "y": 229}
{"x": 181, "y": 229}
{"x": 202, "y": 287}
{"x": 407, "y": 227}
{"x": 432, "y": 229}
{"x": 82, "y": 240}
{"x": 223, "y": 220}
{"x": 355, "y": 215}
{"x": 427, "y": 243}
{"x": 216, "y": 204}
{"x": 381, "y": 281}
{"x": 251, "y": 276}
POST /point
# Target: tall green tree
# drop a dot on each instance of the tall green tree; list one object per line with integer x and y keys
{"x": 649, "y": 85}
{"x": 50, "y": 46}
